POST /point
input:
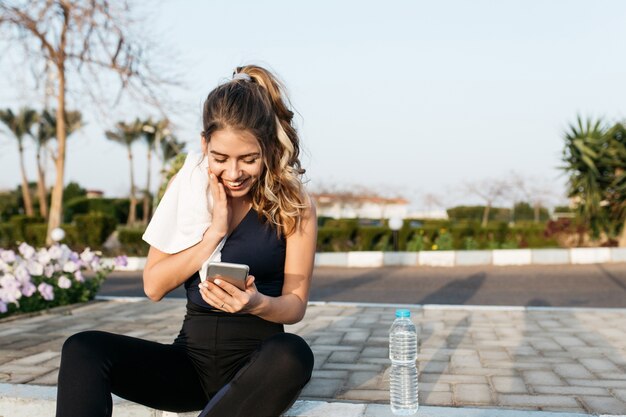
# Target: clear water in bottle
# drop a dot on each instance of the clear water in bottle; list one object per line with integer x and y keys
{"x": 403, "y": 375}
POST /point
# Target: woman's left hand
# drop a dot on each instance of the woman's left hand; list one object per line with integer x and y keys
{"x": 226, "y": 297}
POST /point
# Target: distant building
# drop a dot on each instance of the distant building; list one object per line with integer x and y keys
{"x": 352, "y": 206}
{"x": 429, "y": 214}
{"x": 94, "y": 194}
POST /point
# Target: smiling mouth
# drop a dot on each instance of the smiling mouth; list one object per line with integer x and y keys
{"x": 234, "y": 184}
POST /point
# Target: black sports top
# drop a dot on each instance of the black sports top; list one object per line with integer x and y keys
{"x": 255, "y": 243}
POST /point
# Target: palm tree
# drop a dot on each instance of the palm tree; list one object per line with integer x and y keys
{"x": 126, "y": 134}
{"x": 20, "y": 124}
{"x": 153, "y": 134}
{"x": 585, "y": 142}
{"x": 46, "y": 130}
{"x": 169, "y": 150}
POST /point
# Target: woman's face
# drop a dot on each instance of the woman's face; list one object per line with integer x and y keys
{"x": 235, "y": 158}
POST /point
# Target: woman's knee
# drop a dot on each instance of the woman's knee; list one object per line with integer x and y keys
{"x": 85, "y": 344}
{"x": 291, "y": 356}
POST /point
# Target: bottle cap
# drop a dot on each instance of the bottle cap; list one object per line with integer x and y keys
{"x": 402, "y": 312}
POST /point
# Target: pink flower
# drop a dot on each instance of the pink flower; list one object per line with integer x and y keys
{"x": 3, "y": 308}
{"x": 9, "y": 289}
{"x": 55, "y": 252}
{"x": 87, "y": 256}
{"x": 34, "y": 268}
{"x": 43, "y": 257}
{"x": 28, "y": 289}
{"x": 121, "y": 261}
{"x": 46, "y": 291}
{"x": 79, "y": 276}
{"x": 21, "y": 273}
{"x": 70, "y": 266}
{"x": 8, "y": 256}
{"x": 48, "y": 271}
{"x": 26, "y": 250}
{"x": 64, "y": 282}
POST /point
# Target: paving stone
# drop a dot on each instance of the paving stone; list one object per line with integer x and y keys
{"x": 453, "y": 379}
{"x": 598, "y": 365}
{"x": 572, "y": 371}
{"x": 319, "y": 359}
{"x": 363, "y": 380}
{"x": 608, "y": 405}
{"x": 343, "y": 357}
{"x": 567, "y": 341}
{"x": 487, "y": 371}
{"x": 509, "y": 384}
{"x": 541, "y": 378}
{"x": 322, "y": 373}
{"x": 562, "y": 410}
{"x": 353, "y": 366}
{"x": 328, "y": 339}
{"x": 568, "y": 390}
{"x": 536, "y": 400}
{"x": 436, "y": 398}
{"x": 468, "y": 360}
{"x": 546, "y": 344}
{"x": 433, "y": 366}
{"x": 333, "y": 348}
{"x": 377, "y": 352}
{"x": 498, "y": 355}
{"x": 36, "y": 358}
{"x": 47, "y": 379}
{"x": 472, "y": 394}
{"x": 429, "y": 387}
{"x": 596, "y": 383}
{"x": 620, "y": 393}
{"x": 371, "y": 395}
{"x": 359, "y": 336}
{"x": 322, "y": 388}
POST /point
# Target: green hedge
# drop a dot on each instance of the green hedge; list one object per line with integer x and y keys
{"x": 94, "y": 229}
{"x": 346, "y": 235}
{"x": 131, "y": 242}
{"x": 114, "y": 207}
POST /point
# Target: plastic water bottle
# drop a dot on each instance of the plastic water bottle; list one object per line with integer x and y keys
{"x": 403, "y": 353}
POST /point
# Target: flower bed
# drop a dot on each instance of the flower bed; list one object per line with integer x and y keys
{"x": 37, "y": 279}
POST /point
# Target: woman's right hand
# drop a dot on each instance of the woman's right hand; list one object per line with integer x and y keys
{"x": 221, "y": 211}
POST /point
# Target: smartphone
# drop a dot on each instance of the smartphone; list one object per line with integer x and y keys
{"x": 235, "y": 274}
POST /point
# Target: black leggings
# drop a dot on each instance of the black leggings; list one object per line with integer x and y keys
{"x": 224, "y": 365}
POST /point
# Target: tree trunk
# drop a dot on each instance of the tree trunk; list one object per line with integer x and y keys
{"x": 132, "y": 212}
{"x": 147, "y": 196}
{"x": 486, "y": 215}
{"x": 56, "y": 204}
{"x": 622, "y": 237}
{"x": 537, "y": 212}
{"x": 41, "y": 188}
{"x": 28, "y": 204}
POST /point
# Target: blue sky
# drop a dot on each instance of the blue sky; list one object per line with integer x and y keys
{"x": 404, "y": 97}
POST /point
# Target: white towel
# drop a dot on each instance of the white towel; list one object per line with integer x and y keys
{"x": 184, "y": 212}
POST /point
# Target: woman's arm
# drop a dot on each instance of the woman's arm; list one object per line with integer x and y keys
{"x": 164, "y": 272}
{"x": 290, "y": 306}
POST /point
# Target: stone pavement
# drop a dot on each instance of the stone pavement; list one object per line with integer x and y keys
{"x": 547, "y": 359}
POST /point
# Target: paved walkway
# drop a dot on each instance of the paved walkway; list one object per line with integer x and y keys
{"x": 547, "y": 359}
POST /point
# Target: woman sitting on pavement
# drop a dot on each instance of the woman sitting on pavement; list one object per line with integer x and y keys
{"x": 232, "y": 356}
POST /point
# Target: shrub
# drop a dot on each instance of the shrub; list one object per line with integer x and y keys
{"x": 94, "y": 228}
{"x": 36, "y": 279}
{"x": 131, "y": 242}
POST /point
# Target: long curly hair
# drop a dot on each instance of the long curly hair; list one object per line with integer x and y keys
{"x": 256, "y": 101}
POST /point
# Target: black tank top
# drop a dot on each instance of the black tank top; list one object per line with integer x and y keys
{"x": 255, "y": 243}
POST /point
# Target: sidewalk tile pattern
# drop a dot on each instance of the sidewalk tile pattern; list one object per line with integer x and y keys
{"x": 570, "y": 360}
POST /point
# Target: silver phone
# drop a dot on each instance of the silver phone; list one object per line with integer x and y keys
{"x": 235, "y": 274}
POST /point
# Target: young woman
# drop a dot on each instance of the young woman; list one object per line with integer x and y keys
{"x": 231, "y": 357}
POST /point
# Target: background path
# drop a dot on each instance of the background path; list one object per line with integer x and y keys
{"x": 600, "y": 285}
